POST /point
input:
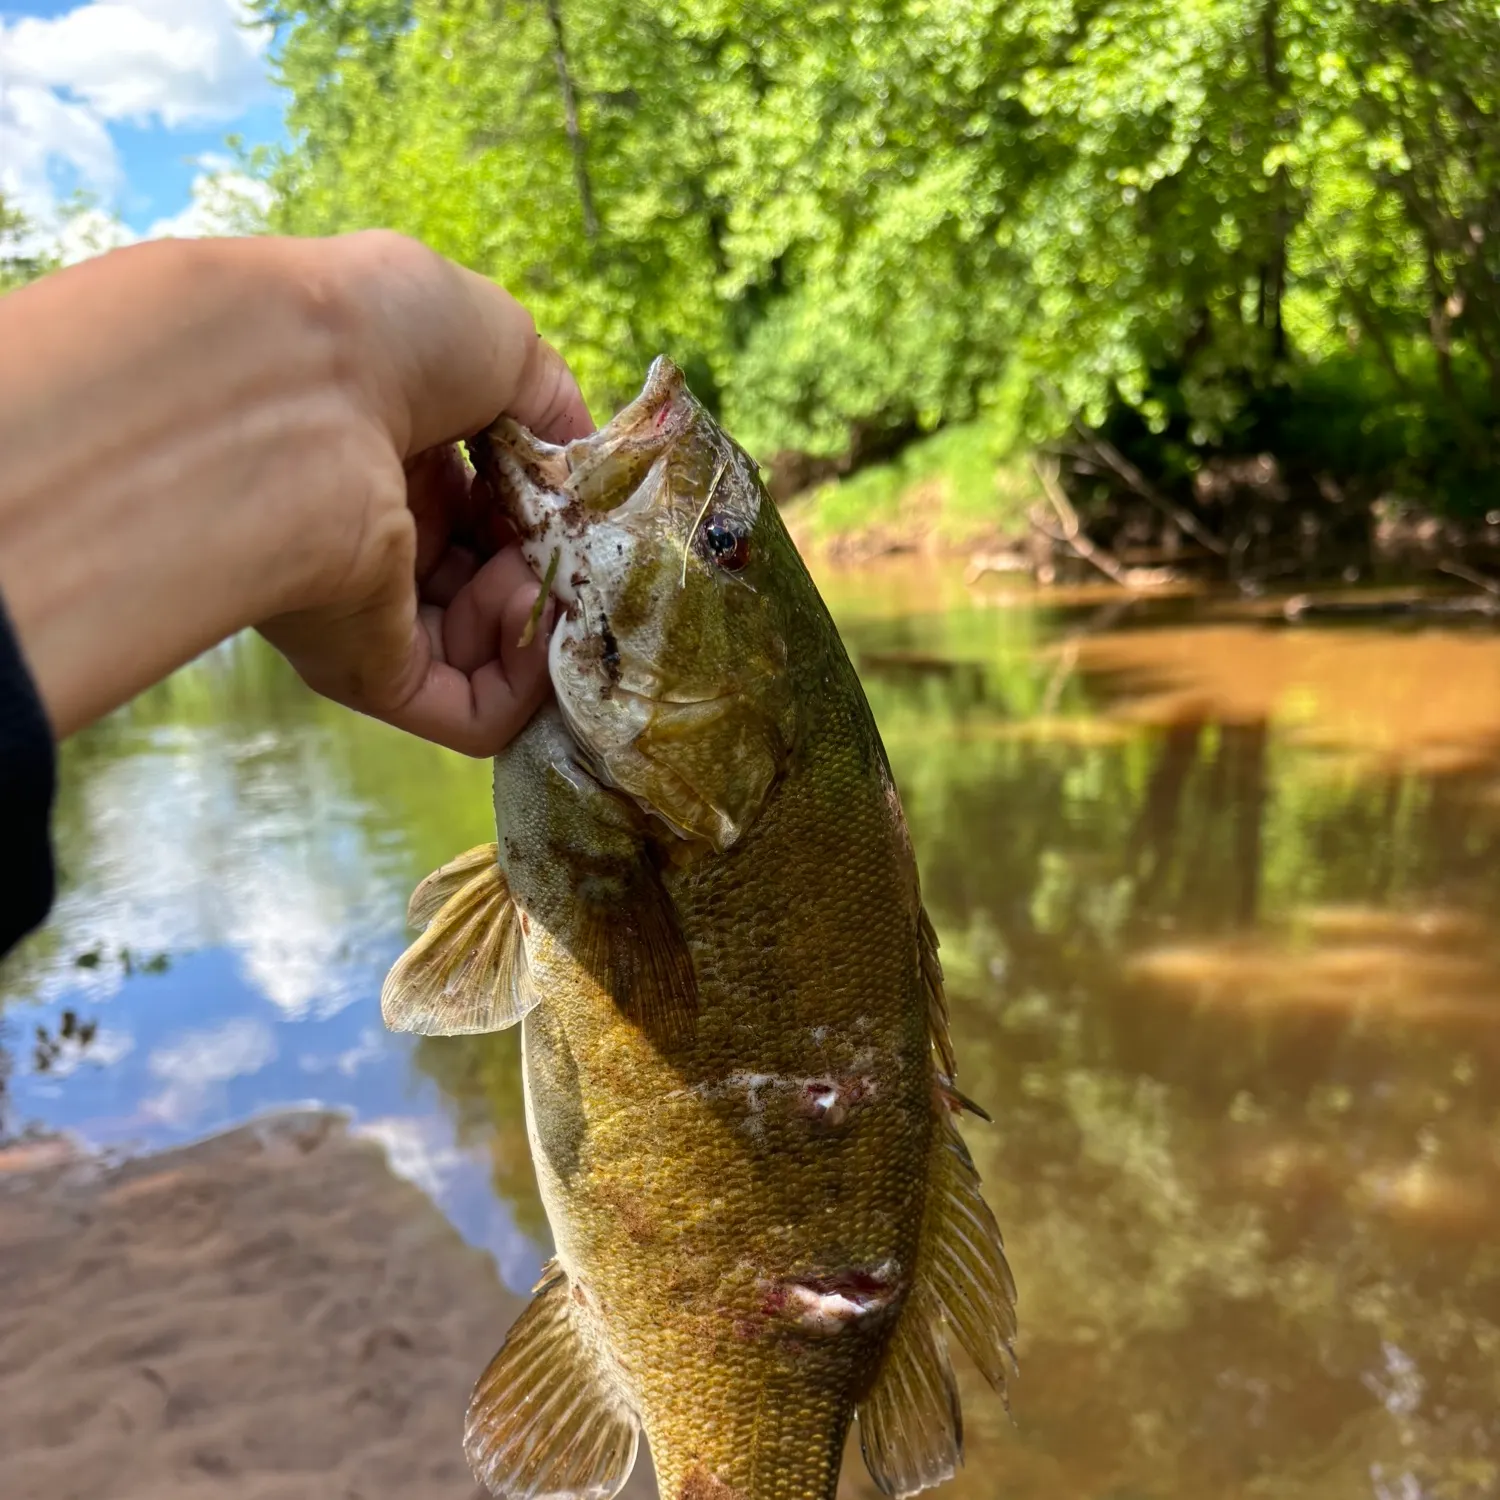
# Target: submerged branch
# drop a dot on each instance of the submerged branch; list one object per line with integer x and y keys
{"x": 1469, "y": 575}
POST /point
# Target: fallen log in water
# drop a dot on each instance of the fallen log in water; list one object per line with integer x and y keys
{"x": 1311, "y": 606}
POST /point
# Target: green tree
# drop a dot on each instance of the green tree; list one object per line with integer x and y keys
{"x": 854, "y": 220}
{"x": 19, "y": 262}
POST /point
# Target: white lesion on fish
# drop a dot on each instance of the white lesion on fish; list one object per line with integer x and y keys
{"x": 826, "y": 1101}
{"x": 826, "y": 1306}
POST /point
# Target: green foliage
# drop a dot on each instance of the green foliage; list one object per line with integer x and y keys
{"x": 18, "y": 262}
{"x": 968, "y": 478}
{"x": 853, "y": 221}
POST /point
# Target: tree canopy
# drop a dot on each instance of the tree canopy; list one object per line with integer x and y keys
{"x": 853, "y": 221}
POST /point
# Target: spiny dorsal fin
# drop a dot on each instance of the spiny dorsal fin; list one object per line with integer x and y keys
{"x": 434, "y": 892}
{"x": 957, "y": 1102}
{"x": 911, "y": 1426}
{"x": 633, "y": 944}
{"x": 546, "y": 1417}
{"x": 932, "y": 983}
{"x": 467, "y": 972}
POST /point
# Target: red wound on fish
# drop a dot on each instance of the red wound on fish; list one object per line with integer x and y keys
{"x": 829, "y": 1102}
{"x": 828, "y": 1305}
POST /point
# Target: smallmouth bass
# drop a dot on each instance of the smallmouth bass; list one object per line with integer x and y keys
{"x": 703, "y": 908}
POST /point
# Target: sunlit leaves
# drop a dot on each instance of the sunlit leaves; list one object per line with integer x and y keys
{"x": 858, "y": 217}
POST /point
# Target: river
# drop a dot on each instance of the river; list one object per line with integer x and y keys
{"x": 1217, "y": 897}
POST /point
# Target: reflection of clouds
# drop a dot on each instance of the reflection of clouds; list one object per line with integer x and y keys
{"x": 202, "y": 839}
{"x": 420, "y": 1150}
{"x": 290, "y": 929}
{"x": 199, "y": 1062}
{"x": 370, "y": 1047}
{"x": 1399, "y": 1388}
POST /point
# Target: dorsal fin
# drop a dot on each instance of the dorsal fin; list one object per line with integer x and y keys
{"x": 911, "y": 1425}
{"x": 964, "y": 1255}
{"x": 547, "y": 1418}
{"x": 467, "y": 972}
{"x": 956, "y": 1102}
{"x": 932, "y": 984}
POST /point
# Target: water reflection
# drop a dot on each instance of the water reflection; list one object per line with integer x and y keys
{"x": 1217, "y": 906}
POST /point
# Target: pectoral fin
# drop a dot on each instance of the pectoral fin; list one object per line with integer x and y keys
{"x": 633, "y": 943}
{"x": 467, "y": 972}
{"x": 911, "y": 1425}
{"x": 433, "y": 893}
{"x": 546, "y": 1417}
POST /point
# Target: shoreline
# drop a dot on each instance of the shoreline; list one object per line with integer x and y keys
{"x": 269, "y": 1312}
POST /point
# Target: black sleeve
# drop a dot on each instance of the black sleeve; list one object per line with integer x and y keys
{"x": 28, "y": 769}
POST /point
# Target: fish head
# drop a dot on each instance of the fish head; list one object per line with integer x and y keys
{"x": 679, "y": 589}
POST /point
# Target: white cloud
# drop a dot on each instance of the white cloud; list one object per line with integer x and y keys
{"x": 41, "y": 132}
{"x": 198, "y": 1063}
{"x": 178, "y": 61}
{"x": 173, "y": 62}
{"x": 223, "y": 202}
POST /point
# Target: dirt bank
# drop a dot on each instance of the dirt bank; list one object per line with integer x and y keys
{"x": 268, "y": 1314}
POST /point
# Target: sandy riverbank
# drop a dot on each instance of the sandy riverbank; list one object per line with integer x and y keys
{"x": 269, "y": 1314}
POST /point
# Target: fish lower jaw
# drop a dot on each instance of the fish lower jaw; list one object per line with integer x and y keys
{"x": 558, "y": 560}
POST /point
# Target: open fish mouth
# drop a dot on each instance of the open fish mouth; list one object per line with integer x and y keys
{"x": 592, "y": 474}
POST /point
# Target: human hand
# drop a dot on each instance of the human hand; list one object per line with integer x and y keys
{"x": 427, "y": 596}
{"x": 200, "y": 436}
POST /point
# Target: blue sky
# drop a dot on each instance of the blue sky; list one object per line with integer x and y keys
{"x": 127, "y": 99}
{"x": 159, "y": 164}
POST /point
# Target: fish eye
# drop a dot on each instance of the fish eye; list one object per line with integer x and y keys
{"x": 728, "y": 544}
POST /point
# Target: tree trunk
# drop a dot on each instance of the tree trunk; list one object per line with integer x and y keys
{"x": 1273, "y": 272}
{"x": 570, "y": 115}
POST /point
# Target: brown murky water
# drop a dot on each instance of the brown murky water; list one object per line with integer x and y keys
{"x": 1218, "y": 901}
{"x": 1225, "y": 965}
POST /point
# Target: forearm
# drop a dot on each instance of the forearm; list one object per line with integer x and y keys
{"x": 160, "y": 410}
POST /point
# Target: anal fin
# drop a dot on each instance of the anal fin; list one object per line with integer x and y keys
{"x": 467, "y": 972}
{"x": 546, "y": 1418}
{"x": 911, "y": 1423}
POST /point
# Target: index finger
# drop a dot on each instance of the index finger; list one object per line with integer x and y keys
{"x": 449, "y": 350}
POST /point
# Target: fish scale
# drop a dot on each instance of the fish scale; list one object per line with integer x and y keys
{"x": 703, "y": 908}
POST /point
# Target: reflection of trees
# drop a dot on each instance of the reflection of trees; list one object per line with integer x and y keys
{"x": 1201, "y": 864}
{"x": 1250, "y": 1185}
{"x": 480, "y": 1078}
{"x": 1233, "y": 1005}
